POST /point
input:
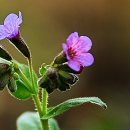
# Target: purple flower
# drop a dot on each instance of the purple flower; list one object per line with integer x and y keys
{"x": 10, "y": 29}
{"x": 76, "y": 51}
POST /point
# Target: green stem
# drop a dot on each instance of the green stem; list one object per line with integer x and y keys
{"x": 31, "y": 74}
{"x": 34, "y": 96}
{"x": 38, "y": 106}
{"x": 44, "y": 108}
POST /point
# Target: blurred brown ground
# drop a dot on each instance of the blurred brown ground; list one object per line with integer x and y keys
{"x": 46, "y": 24}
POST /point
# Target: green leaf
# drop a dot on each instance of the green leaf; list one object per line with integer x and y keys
{"x": 22, "y": 92}
{"x": 65, "y": 106}
{"x": 43, "y": 69}
{"x": 53, "y": 124}
{"x": 25, "y": 69}
{"x": 31, "y": 121}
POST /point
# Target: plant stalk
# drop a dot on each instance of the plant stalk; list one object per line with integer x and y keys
{"x": 42, "y": 111}
{"x": 44, "y": 107}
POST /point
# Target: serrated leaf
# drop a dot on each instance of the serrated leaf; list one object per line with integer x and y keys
{"x": 31, "y": 121}
{"x": 22, "y": 92}
{"x": 65, "y": 106}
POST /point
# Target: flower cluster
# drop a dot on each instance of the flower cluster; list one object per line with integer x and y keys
{"x": 62, "y": 72}
{"x": 68, "y": 63}
{"x": 23, "y": 83}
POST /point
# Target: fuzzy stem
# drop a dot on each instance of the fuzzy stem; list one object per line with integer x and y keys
{"x": 34, "y": 96}
{"x": 31, "y": 74}
{"x": 44, "y": 107}
{"x": 38, "y": 106}
{"x": 42, "y": 111}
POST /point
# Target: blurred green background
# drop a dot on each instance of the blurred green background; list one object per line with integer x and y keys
{"x": 46, "y": 24}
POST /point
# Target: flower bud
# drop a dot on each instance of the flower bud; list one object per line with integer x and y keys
{"x": 68, "y": 77}
{"x": 3, "y": 68}
{"x": 16, "y": 76}
{"x": 20, "y": 45}
{"x": 4, "y": 54}
{"x": 52, "y": 73}
{"x": 4, "y": 80}
{"x": 54, "y": 78}
{"x": 46, "y": 83}
{"x": 12, "y": 84}
{"x": 49, "y": 80}
{"x": 62, "y": 85}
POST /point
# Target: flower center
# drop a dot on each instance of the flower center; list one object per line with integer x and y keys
{"x": 71, "y": 53}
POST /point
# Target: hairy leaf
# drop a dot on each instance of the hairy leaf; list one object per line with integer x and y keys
{"x": 65, "y": 106}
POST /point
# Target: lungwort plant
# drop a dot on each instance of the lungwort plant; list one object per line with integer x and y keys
{"x": 23, "y": 83}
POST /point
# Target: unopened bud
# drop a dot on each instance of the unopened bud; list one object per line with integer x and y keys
{"x": 3, "y": 68}
{"x": 21, "y": 45}
{"x": 62, "y": 85}
{"x": 48, "y": 84}
{"x": 52, "y": 73}
{"x": 68, "y": 77}
{"x": 49, "y": 80}
{"x": 16, "y": 76}
{"x": 4, "y": 80}
{"x": 12, "y": 84}
{"x": 4, "y": 54}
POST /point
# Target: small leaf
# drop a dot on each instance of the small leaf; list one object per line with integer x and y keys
{"x": 65, "y": 106}
{"x": 42, "y": 69}
{"x": 22, "y": 92}
{"x": 31, "y": 121}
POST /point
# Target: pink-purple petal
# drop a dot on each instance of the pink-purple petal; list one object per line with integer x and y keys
{"x": 76, "y": 50}
{"x": 84, "y": 43}
{"x": 11, "y": 24}
{"x": 72, "y": 39}
{"x": 10, "y": 20}
{"x": 3, "y": 32}
{"x": 86, "y": 59}
{"x": 19, "y": 20}
{"x": 65, "y": 50}
{"x": 74, "y": 65}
